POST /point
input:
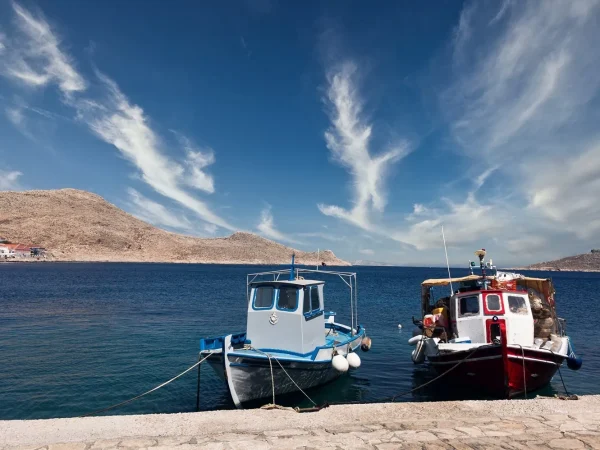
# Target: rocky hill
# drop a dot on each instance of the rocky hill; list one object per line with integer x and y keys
{"x": 80, "y": 226}
{"x": 586, "y": 262}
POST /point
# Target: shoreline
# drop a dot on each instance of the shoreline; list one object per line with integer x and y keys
{"x": 255, "y": 264}
{"x": 459, "y": 424}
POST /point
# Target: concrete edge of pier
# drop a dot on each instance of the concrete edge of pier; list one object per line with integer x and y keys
{"x": 514, "y": 424}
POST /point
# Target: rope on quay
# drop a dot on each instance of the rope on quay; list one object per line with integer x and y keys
{"x": 274, "y": 405}
{"x": 98, "y": 411}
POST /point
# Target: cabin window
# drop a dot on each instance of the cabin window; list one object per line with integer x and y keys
{"x": 315, "y": 298}
{"x": 288, "y": 300}
{"x": 517, "y": 305}
{"x": 263, "y": 297}
{"x": 493, "y": 302}
{"x": 306, "y": 305}
{"x": 469, "y": 306}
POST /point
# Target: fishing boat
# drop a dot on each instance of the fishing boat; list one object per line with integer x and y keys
{"x": 497, "y": 332}
{"x": 291, "y": 343}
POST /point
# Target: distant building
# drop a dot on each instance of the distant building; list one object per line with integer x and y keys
{"x": 36, "y": 250}
{"x": 5, "y": 252}
{"x": 18, "y": 250}
{"x": 3, "y": 240}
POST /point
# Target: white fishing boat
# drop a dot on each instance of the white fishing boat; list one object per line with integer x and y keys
{"x": 290, "y": 343}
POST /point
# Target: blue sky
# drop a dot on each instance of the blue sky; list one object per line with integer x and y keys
{"x": 358, "y": 127}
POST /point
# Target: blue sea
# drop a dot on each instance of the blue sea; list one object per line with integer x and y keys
{"x": 79, "y": 337}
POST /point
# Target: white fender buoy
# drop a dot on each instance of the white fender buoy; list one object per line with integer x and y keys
{"x": 340, "y": 363}
{"x": 413, "y": 340}
{"x": 418, "y": 354}
{"x": 353, "y": 360}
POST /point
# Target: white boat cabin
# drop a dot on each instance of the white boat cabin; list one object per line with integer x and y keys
{"x": 477, "y": 315}
{"x": 287, "y": 315}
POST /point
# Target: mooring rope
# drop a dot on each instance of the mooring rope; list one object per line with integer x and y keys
{"x": 98, "y": 411}
{"x": 284, "y": 371}
{"x": 524, "y": 378}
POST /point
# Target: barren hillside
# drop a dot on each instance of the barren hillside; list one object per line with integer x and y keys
{"x": 80, "y": 226}
{"x": 586, "y": 262}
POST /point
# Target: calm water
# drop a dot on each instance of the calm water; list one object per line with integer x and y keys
{"x": 79, "y": 337}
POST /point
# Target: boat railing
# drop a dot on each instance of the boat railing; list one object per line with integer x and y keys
{"x": 349, "y": 278}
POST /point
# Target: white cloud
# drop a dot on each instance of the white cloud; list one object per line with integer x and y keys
{"x": 523, "y": 103}
{"x": 464, "y": 223}
{"x": 118, "y": 122}
{"x": 348, "y": 139}
{"x": 321, "y": 235}
{"x": 196, "y": 160}
{"x": 15, "y": 116}
{"x": 366, "y": 251}
{"x": 36, "y": 59}
{"x": 267, "y": 227}
{"x": 155, "y": 213}
{"x": 9, "y": 180}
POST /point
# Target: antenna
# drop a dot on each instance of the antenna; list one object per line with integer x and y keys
{"x": 447, "y": 263}
{"x": 292, "y": 268}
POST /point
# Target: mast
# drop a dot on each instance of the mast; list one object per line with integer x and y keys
{"x": 291, "y": 278}
{"x": 447, "y": 263}
{"x": 481, "y": 254}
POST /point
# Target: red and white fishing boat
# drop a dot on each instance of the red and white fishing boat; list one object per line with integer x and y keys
{"x": 497, "y": 332}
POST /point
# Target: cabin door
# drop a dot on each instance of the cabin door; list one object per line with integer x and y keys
{"x": 492, "y": 327}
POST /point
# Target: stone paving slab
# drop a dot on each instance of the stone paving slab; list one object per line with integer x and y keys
{"x": 512, "y": 425}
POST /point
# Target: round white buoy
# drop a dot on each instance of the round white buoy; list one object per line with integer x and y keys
{"x": 400, "y": 325}
{"x": 353, "y": 360}
{"x": 340, "y": 363}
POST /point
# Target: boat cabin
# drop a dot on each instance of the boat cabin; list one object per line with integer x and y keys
{"x": 286, "y": 313}
{"x": 477, "y": 315}
{"x": 474, "y": 312}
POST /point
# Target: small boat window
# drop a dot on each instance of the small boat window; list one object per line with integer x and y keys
{"x": 288, "y": 298}
{"x": 469, "y": 306}
{"x": 306, "y": 304}
{"x": 493, "y": 302}
{"x": 315, "y": 298}
{"x": 517, "y": 305}
{"x": 263, "y": 297}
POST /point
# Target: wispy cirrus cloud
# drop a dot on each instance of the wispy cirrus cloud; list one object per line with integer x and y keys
{"x": 349, "y": 140}
{"x": 9, "y": 180}
{"x": 322, "y": 235}
{"x": 267, "y": 227}
{"x": 197, "y": 159}
{"x": 155, "y": 213}
{"x": 522, "y": 105}
{"x": 34, "y": 58}
{"x": 125, "y": 125}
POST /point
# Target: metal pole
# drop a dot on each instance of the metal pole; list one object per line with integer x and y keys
{"x": 198, "y": 387}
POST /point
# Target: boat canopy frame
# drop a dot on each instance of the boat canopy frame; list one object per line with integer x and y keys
{"x": 349, "y": 278}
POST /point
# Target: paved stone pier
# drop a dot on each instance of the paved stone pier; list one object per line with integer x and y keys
{"x": 516, "y": 424}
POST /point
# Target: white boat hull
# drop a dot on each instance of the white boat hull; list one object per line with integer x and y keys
{"x": 249, "y": 377}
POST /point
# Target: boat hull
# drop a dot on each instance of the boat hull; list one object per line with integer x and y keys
{"x": 250, "y": 375}
{"x": 252, "y": 380}
{"x": 488, "y": 370}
